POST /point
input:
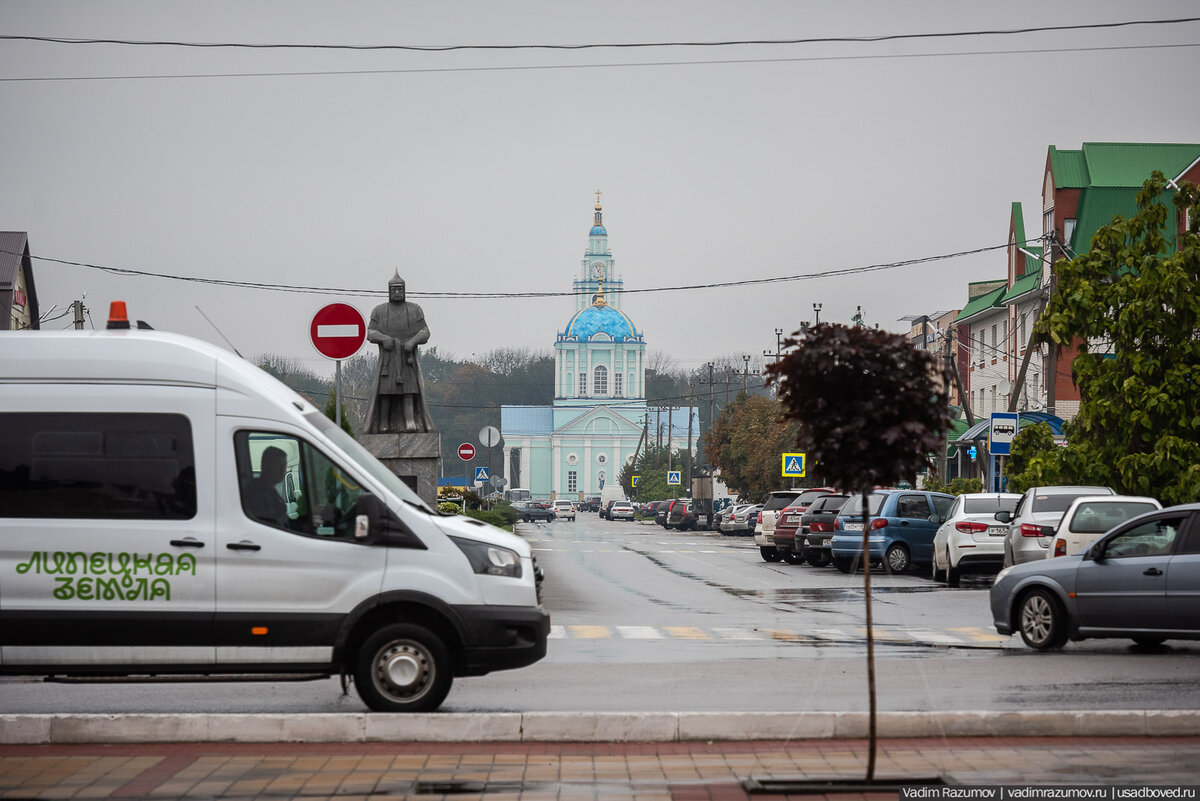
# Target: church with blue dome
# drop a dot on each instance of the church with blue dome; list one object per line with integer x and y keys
{"x": 578, "y": 445}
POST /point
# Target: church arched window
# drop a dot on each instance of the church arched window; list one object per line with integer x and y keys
{"x": 600, "y": 380}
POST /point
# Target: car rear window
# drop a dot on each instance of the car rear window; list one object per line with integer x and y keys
{"x": 1098, "y": 517}
{"x": 830, "y": 503}
{"x": 779, "y": 500}
{"x": 1056, "y": 502}
{"x": 854, "y": 505}
{"x": 983, "y": 506}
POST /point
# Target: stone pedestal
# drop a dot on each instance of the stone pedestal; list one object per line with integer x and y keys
{"x": 412, "y": 457}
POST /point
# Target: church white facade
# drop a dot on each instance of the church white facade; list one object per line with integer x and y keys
{"x": 578, "y": 445}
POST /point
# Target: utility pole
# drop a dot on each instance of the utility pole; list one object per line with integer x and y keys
{"x": 691, "y": 400}
{"x": 78, "y": 307}
{"x": 817, "y": 311}
{"x": 658, "y": 425}
{"x": 746, "y": 375}
{"x": 1051, "y": 370}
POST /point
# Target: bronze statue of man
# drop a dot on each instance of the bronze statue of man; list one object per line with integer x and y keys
{"x": 398, "y": 402}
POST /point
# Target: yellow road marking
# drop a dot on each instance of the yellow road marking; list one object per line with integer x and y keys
{"x": 685, "y": 632}
{"x": 590, "y": 632}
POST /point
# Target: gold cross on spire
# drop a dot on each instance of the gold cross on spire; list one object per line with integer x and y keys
{"x": 597, "y": 198}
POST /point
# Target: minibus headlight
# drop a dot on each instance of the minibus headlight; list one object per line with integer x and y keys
{"x": 490, "y": 560}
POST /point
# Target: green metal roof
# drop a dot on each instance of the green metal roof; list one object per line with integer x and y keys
{"x": 1118, "y": 164}
{"x": 980, "y": 304}
{"x": 1018, "y": 221}
{"x": 1033, "y": 263}
{"x": 1129, "y": 164}
{"x": 1069, "y": 167}
{"x": 1026, "y": 283}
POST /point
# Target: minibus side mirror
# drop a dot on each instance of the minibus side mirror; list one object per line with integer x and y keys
{"x": 375, "y": 524}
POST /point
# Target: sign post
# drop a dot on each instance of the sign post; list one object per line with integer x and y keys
{"x": 337, "y": 331}
{"x": 489, "y": 437}
{"x": 1004, "y": 427}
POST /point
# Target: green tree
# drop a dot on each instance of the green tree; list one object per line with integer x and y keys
{"x": 1138, "y": 426}
{"x": 1034, "y": 460}
{"x": 651, "y": 464}
{"x": 747, "y": 441}
{"x": 331, "y": 413}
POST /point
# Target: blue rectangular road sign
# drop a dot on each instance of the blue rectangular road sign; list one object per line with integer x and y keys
{"x": 673, "y": 477}
{"x": 481, "y": 474}
{"x": 1003, "y": 431}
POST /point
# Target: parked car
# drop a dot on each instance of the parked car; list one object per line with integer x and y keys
{"x": 722, "y": 515}
{"x": 1140, "y": 580}
{"x": 1037, "y": 514}
{"x": 743, "y": 520}
{"x": 903, "y": 523}
{"x": 685, "y": 515}
{"x": 605, "y": 509}
{"x": 620, "y": 510}
{"x": 764, "y": 528}
{"x": 1089, "y": 517}
{"x": 816, "y": 529}
{"x": 532, "y": 510}
{"x": 564, "y": 510}
{"x": 647, "y": 509}
{"x": 971, "y": 538}
{"x": 787, "y": 524}
{"x": 590, "y": 504}
{"x": 660, "y": 514}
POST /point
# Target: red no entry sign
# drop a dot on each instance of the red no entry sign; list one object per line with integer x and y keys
{"x": 466, "y": 451}
{"x": 337, "y": 331}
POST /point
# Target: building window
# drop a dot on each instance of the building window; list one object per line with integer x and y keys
{"x": 618, "y": 379}
{"x": 570, "y": 383}
{"x": 1021, "y": 344}
{"x": 572, "y": 481}
{"x": 600, "y": 380}
{"x": 1068, "y": 230}
{"x": 993, "y": 341}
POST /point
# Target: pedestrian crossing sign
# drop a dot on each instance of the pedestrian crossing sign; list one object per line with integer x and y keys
{"x": 481, "y": 474}
{"x": 635, "y": 480}
{"x": 793, "y": 465}
{"x": 673, "y": 477}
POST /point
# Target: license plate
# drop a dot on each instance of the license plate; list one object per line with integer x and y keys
{"x": 826, "y": 541}
{"x": 852, "y": 526}
{"x": 997, "y": 531}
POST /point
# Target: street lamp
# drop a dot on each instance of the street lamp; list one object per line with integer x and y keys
{"x": 817, "y": 311}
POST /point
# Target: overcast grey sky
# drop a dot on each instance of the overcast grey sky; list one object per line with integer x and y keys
{"x": 769, "y": 161}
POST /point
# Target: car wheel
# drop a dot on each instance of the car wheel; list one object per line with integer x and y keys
{"x": 792, "y": 558}
{"x": 1041, "y": 620}
{"x": 1149, "y": 639}
{"x": 525, "y": 518}
{"x": 953, "y": 574}
{"x": 403, "y": 668}
{"x": 818, "y": 559}
{"x": 842, "y": 563}
{"x": 896, "y": 558}
{"x": 769, "y": 554}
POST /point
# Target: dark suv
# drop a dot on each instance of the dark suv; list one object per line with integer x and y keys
{"x": 816, "y": 529}
{"x": 683, "y": 515}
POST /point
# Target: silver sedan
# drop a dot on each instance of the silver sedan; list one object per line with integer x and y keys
{"x": 1141, "y": 580}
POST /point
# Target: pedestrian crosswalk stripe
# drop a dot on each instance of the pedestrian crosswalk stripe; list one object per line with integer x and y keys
{"x": 981, "y": 635}
{"x": 924, "y": 635}
{"x": 736, "y": 634}
{"x": 900, "y": 635}
{"x": 685, "y": 632}
{"x": 590, "y": 632}
{"x": 639, "y": 632}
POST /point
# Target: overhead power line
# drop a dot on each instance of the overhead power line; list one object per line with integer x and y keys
{"x": 597, "y": 45}
{"x": 605, "y": 65}
{"x": 457, "y": 294}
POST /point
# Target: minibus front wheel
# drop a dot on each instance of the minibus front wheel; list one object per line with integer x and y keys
{"x": 403, "y": 667}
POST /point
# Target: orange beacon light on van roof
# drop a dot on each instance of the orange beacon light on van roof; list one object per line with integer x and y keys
{"x": 117, "y": 316}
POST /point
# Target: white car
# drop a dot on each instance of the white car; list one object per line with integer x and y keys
{"x": 1089, "y": 517}
{"x": 971, "y": 537}
{"x": 621, "y": 510}
{"x": 564, "y": 510}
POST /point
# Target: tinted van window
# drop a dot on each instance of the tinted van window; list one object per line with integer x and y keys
{"x": 97, "y": 466}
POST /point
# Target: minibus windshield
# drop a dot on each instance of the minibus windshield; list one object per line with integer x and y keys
{"x": 366, "y": 460}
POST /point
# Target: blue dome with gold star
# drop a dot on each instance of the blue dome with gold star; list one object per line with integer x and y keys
{"x": 600, "y": 318}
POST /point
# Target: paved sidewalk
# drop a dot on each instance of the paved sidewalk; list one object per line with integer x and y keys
{"x": 536, "y": 771}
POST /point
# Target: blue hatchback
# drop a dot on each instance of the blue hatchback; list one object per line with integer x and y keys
{"x": 903, "y": 523}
